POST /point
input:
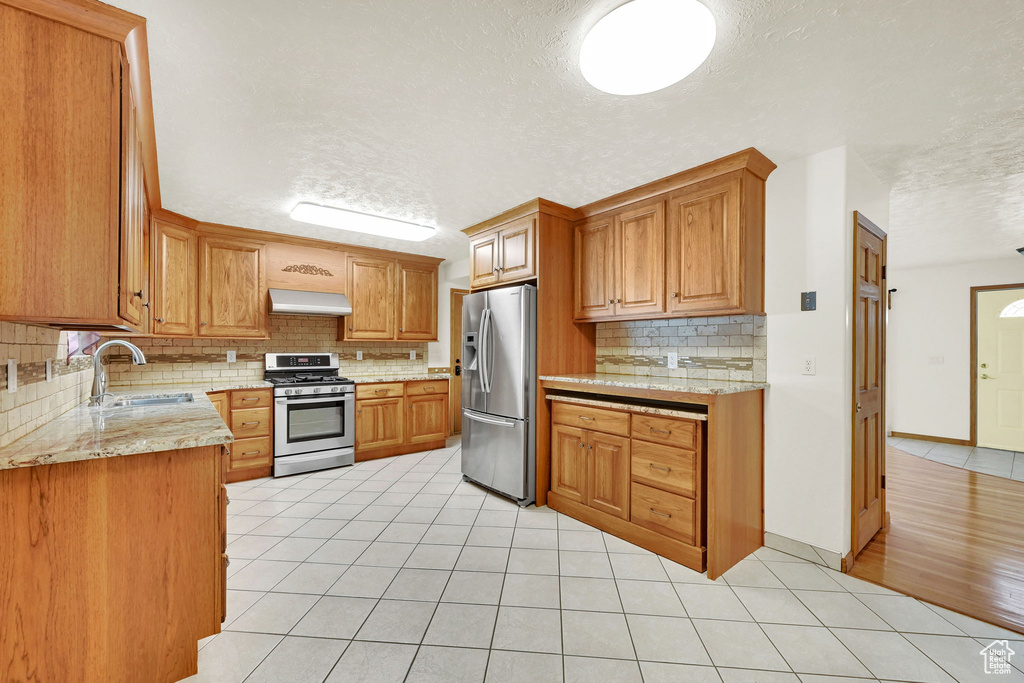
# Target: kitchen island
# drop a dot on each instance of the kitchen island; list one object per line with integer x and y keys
{"x": 673, "y": 465}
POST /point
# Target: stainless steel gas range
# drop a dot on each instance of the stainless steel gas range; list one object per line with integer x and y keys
{"x": 314, "y": 412}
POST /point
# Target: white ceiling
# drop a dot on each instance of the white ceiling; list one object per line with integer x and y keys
{"x": 450, "y": 111}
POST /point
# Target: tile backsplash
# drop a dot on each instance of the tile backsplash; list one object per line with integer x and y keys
{"x": 37, "y": 401}
{"x": 184, "y": 360}
{"x": 722, "y": 347}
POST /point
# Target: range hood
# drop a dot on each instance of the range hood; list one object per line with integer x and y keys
{"x": 293, "y": 302}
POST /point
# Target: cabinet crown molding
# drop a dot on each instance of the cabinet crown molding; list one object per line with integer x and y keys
{"x": 537, "y": 205}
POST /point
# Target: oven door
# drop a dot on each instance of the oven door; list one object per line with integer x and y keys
{"x": 306, "y": 424}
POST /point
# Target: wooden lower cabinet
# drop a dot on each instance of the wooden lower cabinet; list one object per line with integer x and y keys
{"x": 249, "y": 414}
{"x": 393, "y": 418}
{"x": 113, "y": 567}
{"x": 632, "y": 474}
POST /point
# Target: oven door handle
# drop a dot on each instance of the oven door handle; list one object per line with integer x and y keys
{"x": 283, "y": 401}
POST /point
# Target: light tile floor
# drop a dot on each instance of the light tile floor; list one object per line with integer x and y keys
{"x": 999, "y": 463}
{"x": 397, "y": 570}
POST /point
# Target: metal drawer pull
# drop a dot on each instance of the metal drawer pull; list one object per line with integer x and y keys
{"x": 250, "y": 399}
{"x": 582, "y": 417}
{"x": 246, "y": 424}
{"x": 661, "y": 431}
{"x": 659, "y": 467}
{"x": 252, "y": 453}
{"x": 582, "y": 445}
{"x": 428, "y": 389}
{"x": 381, "y": 391}
{"x": 660, "y": 514}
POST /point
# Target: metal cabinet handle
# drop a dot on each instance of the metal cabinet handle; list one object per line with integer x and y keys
{"x": 203, "y": 323}
{"x": 252, "y": 453}
{"x": 401, "y": 329}
{"x": 675, "y": 295}
{"x": 661, "y": 431}
{"x": 659, "y": 467}
{"x": 583, "y": 417}
{"x": 660, "y": 514}
{"x": 381, "y": 391}
{"x": 581, "y": 445}
{"x": 349, "y": 328}
{"x": 159, "y": 320}
{"x": 611, "y": 301}
{"x": 618, "y": 301}
{"x": 246, "y": 424}
{"x": 590, "y": 448}
{"x": 251, "y": 399}
{"x": 138, "y": 294}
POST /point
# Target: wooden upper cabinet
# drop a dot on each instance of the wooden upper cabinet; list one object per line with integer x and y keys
{"x": 516, "y": 242}
{"x": 595, "y": 268}
{"x": 61, "y": 154}
{"x": 705, "y": 248}
{"x": 505, "y": 254}
{"x": 417, "y": 302}
{"x": 232, "y": 287}
{"x": 175, "y": 256}
{"x": 640, "y": 260}
{"x": 483, "y": 260}
{"x": 132, "y": 284}
{"x": 371, "y": 291}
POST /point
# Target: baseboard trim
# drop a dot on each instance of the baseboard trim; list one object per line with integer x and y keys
{"x": 805, "y": 551}
{"x": 404, "y": 449}
{"x": 936, "y": 439}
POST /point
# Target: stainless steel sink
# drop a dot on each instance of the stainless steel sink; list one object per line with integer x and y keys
{"x": 154, "y": 400}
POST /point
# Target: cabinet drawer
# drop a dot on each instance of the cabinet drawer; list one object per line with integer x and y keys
{"x": 664, "y": 467}
{"x": 379, "y": 390}
{"x": 427, "y": 388}
{"x": 586, "y": 417}
{"x": 251, "y": 398}
{"x": 666, "y": 430}
{"x": 247, "y": 453}
{"x": 250, "y": 422}
{"x": 665, "y": 513}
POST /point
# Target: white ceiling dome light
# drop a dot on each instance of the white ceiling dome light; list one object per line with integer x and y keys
{"x": 647, "y": 45}
{"x": 356, "y": 221}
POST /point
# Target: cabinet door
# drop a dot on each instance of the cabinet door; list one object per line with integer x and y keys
{"x": 704, "y": 247}
{"x": 569, "y": 462}
{"x": 483, "y": 260}
{"x": 379, "y": 423}
{"x": 175, "y": 264}
{"x": 427, "y": 418}
{"x": 417, "y": 302}
{"x": 232, "y": 288}
{"x": 594, "y": 289}
{"x": 608, "y": 473}
{"x": 131, "y": 266}
{"x": 516, "y": 246}
{"x": 220, "y": 402}
{"x": 640, "y": 260}
{"x": 372, "y": 295}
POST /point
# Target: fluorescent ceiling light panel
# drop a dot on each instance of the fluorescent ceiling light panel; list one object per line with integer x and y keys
{"x": 343, "y": 219}
{"x": 647, "y": 45}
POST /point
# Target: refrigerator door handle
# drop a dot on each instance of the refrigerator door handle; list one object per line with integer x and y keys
{"x": 489, "y": 419}
{"x": 483, "y": 351}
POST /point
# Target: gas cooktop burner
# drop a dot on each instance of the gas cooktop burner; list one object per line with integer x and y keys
{"x": 307, "y": 379}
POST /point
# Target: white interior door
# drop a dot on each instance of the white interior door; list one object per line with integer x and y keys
{"x": 1000, "y": 370}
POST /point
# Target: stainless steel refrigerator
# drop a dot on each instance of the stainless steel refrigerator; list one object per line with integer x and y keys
{"x": 499, "y": 388}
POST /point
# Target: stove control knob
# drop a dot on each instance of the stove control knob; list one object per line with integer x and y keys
{"x": 316, "y": 390}
{"x": 287, "y": 391}
{"x": 335, "y": 390}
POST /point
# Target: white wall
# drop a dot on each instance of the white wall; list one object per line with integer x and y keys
{"x": 451, "y": 275}
{"x": 809, "y": 247}
{"x": 930, "y": 317}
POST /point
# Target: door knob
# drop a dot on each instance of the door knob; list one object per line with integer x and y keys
{"x": 859, "y": 406}
{"x": 984, "y": 376}
{"x": 984, "y": 365}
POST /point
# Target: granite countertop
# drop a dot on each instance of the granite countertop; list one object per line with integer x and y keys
{"x": 372, "y": 379}
{"x": 687, "y": 386}
{"x": 86, "y": 433}
{"x": 632, "y": 407}
{"x": 203, "y": 387}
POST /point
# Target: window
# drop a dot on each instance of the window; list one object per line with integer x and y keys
{"x": 1014, "y": 310}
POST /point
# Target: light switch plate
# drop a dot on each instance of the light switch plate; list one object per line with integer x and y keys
{"x": 673, "y": 359}
{"x": 359, "y": 355}
{"x": 232, "y": 356}
{"x": 412, "y": 354}
{"x": 12, "y": 375}
{"x": 808, "y": 366}
{"x": 49, "y": 369}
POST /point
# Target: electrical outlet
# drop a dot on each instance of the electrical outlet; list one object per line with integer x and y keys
{"x": 49, "y": 369}
{"x": 232, "y": 356}
{"x": 937, "y": 360}
{"x": 359, "y": 355}
{"x": 673, "y": 359}
{"x": 12, "y": 375}
{"x": 412, "y": 354}
{"x": 808, "y": 366}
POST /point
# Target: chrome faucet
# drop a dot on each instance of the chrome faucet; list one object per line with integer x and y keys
{"x": 99, "y": 381}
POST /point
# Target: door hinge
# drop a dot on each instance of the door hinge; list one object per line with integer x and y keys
{"x": 883, "y": 481}
{"x": 883, "y": 271}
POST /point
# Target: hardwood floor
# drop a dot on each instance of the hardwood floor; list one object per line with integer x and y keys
{"x": 956, "y": 540}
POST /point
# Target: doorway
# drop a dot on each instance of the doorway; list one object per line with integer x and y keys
{"x": 869, "y": 257}
{"x": 997, "y": 367}
{"x": 455, "y": 340}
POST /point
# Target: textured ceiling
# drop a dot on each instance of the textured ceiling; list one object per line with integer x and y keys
{"x": 450, "y": 111}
